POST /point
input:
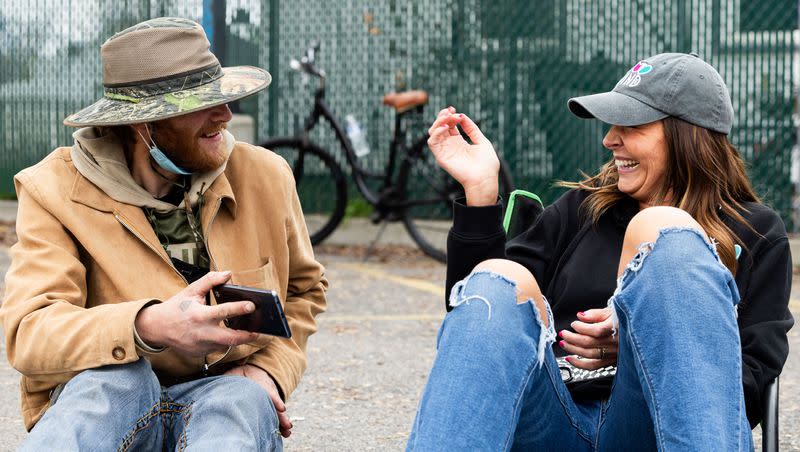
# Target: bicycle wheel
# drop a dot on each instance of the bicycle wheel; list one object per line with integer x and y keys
{"x": 320, "y": 181}
{"x": 430, "y": 192}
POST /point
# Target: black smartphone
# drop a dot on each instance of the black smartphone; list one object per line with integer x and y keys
{"x": 268, "y": 318}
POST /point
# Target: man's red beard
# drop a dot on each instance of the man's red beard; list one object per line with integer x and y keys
{"x": 184, "y": 150}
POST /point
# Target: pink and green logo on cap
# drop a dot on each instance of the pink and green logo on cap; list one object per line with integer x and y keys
{"x": 634, "y": 76}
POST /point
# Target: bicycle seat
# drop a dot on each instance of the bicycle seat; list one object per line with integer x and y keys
{"x": 406, "y": 100}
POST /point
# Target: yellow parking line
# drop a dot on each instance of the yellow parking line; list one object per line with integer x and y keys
{"x": 385, "y": 317}
{"x": 418, "y": 284}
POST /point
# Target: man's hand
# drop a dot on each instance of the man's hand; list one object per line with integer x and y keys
{"x": 592, "y": 340}
{"x": 190, "y": 327}
{"x": 475, "y": 166}
{"x": 262, "y": 378}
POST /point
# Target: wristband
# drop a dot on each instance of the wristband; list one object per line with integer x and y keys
{"x": 137, "y": 340}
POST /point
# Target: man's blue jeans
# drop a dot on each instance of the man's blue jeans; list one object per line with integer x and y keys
{"x": 495, "y": 384}
{"x": 125, "y": 408}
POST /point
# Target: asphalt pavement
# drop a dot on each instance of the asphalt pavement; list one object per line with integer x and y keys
{"x": 371, "y": 356}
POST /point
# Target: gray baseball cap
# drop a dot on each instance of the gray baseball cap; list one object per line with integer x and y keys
{"x": 668, "y": 84}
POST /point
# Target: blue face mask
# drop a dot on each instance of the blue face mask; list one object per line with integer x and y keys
{"x": 164, "y": 162}
{"x": 161, "y": 159}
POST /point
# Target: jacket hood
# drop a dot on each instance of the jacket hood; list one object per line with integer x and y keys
{"x": 101, "y": 160}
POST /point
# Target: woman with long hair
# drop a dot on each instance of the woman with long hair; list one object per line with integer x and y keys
{"x": 647, "y": 308}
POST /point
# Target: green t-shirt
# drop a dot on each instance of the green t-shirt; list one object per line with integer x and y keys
{"x": 179, "y": 230}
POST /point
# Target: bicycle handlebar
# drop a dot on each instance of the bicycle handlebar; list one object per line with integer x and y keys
{"x": 311, "y": 51}
{"x": 306, "y": 63}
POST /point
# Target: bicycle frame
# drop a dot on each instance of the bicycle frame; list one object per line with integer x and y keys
{"x": 360, "y": 174}
{"x": 387, "y": 201}
{"x": 417, "y": 175}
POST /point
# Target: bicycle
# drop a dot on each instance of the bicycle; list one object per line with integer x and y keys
{"x": 420, "y": 194}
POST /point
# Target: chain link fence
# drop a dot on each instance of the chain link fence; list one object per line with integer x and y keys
{"x": 511, "y": 64}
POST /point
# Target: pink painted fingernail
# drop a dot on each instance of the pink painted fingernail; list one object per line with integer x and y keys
{"x": 569, "y": 360}
{"x": 561, "y": 334}
{"x": 461, "y": 115}
{"x": 561, "y": 344}
{"x": 581, "y": 313}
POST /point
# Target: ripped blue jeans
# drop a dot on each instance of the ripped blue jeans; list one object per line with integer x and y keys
{"x": 495, "y": 384}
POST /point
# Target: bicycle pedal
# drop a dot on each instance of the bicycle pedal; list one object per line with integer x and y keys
{"x": 376, "y": 217}
{"x": 394, "y": 216}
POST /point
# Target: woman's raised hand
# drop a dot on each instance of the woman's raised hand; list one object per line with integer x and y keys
{"x": 475, "y": 166}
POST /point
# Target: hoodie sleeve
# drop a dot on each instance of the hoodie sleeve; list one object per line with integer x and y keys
{"x": 477, "y": 234}
{"x": 764, "y": 320}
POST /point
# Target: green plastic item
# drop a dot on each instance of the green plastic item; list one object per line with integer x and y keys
{"x": 512, "y": 199}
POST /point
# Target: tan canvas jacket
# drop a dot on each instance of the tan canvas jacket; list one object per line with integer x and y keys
{"x": 86, "y": 264}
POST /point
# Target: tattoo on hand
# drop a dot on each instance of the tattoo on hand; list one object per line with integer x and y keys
{"x": 185, "y": 305}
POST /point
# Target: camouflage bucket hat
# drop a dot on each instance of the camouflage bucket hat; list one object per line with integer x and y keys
{"x": 163, "y": 68}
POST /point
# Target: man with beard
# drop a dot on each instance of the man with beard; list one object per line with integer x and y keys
{"x": 107, "y": 312}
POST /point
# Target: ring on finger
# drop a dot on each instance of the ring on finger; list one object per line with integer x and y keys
{"x": 602, "y": 351}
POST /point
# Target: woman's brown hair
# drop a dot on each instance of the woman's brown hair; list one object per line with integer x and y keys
{"x": 705, "y": 176}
